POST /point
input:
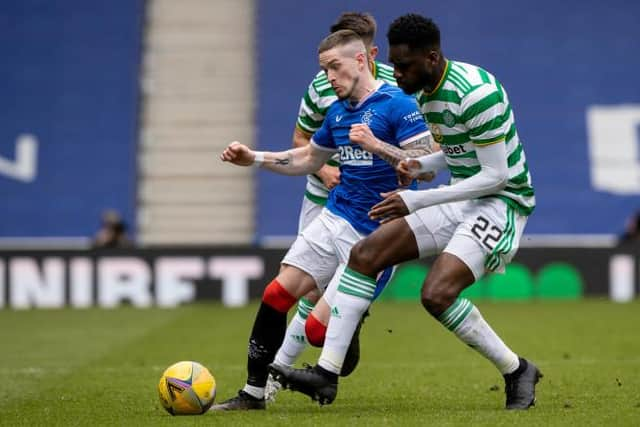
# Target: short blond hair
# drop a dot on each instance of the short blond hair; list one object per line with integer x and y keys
{"x": 340, "y": 38}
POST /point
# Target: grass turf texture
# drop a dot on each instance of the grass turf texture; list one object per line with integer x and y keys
{"x": 101, "y": 367}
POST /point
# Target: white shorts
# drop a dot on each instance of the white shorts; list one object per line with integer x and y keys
{"x": 322, "y": 246}
{"x": 308, "y": 212}
{"x": 484, "y": 233}
{"x": 322, "y": 250}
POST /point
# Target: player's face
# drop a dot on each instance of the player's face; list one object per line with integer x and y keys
{"x": 413, "y": 69}
{"x": 342, "y": 71}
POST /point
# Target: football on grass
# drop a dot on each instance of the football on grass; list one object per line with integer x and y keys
{"x": 187, "y": 388}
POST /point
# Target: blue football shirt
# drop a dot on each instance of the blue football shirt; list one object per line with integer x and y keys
{"x": 393, "y": 117}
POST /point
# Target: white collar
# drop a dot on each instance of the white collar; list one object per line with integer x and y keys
{"x": 378, "y": 85}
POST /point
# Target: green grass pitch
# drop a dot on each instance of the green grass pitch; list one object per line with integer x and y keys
{"x": 101, "y": 367}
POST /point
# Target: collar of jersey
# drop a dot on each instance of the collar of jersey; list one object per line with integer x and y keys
{"x": 348, "y": 105}
{"x": 442, "y": 79}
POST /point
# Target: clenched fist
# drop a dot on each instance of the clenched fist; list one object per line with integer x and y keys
{"x": 238, "y": 154}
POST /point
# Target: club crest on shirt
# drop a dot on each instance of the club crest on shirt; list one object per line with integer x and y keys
{"x": 448, "y": 118}
{"x": 367, "y": 116}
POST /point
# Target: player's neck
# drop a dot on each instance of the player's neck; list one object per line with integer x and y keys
{"x": 440, "y": 69}
{"x": 362, "y": 91}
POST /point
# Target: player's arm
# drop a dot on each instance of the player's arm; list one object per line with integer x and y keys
{"x": 409, "y": 128}
{"x": 330, "y": 175}
{"x": 493, "y": 177}
{"x": 296, "y": 161}
{"x": 421, "y": 145}
{"x": 429, "y": 164}
{"x": 417, "y": 146}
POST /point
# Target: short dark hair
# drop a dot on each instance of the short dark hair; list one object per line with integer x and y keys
{"x": 361, "y": 23}
{"x": 339, "y": 38}
{"x": 415, "y": 31}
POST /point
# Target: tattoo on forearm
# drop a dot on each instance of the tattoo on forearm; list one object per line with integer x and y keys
{"x": 394, "y": 155}
{"x": 282, "y": 161}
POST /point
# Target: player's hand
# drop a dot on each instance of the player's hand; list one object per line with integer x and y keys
{"x": 390, "y": 208}
{"x": 362, "y": 135}
{"x": 404, "y": 178}
{"x": 409, "y": 169}
{"x": 406, "y": 171}
{"x": 330, "y": 176}
{"x": 238, "y": 154}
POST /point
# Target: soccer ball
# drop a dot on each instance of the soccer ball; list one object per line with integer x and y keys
{"x": 187, "y": 388}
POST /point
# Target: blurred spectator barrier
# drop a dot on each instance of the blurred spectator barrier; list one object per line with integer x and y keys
{"x": 167, "y": 277}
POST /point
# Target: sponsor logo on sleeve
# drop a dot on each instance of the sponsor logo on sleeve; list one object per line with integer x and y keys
{"x": 413, "y": 117}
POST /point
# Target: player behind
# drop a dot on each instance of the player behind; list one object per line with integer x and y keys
{"x": 367, "y": 107}
{"x": 309, "y": 324}
{"x": 474, "y": 224}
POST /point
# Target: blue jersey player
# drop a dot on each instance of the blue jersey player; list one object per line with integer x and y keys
{"x": 369, "y": 114}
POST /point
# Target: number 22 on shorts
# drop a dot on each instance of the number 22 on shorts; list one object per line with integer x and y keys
{"x": 489, "y": 236}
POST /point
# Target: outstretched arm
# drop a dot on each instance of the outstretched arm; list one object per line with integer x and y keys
{"x": 493, "y": 177}
{"x": 297, "y": 161}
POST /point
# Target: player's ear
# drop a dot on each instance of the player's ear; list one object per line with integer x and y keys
{"x": 363, "y": 60}
{"x": 434, "y": 56}
{"x": 373, "y": 52}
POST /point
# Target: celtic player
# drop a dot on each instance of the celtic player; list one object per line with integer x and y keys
{"x": 308, "y": 324}
{"x": 474, "y": 224}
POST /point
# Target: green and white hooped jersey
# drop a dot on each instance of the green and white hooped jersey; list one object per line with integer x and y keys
{"x": 313, "y": 108}
{"x": 470, "y": 108}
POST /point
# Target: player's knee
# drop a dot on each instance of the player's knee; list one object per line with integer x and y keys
{"x": 277, "y": 297}
{"x": 363, "y": 259}
{"x": 437, "y": 296}
{"x": 313, "y": 296}
{"x": 315, "y": 331}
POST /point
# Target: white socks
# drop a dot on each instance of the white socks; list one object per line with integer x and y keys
{"x": 356, "y": 292}
{"x": 464, "y": 320}
{"x": 295, "y": 341}
{"x": 257, "y": 392}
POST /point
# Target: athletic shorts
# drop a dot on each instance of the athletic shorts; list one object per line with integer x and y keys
{"x": 308, "y": 212}
{"x": 322, "y": 250}
{"x": 483, "y": 233}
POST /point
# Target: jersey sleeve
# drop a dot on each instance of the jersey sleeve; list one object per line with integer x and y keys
{"x": 409, "y": 122}
{"x": 314, "y": 104}
{"x": 486, "y": 114}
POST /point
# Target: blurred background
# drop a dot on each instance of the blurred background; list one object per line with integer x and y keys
{"x": 113, "y": 114}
